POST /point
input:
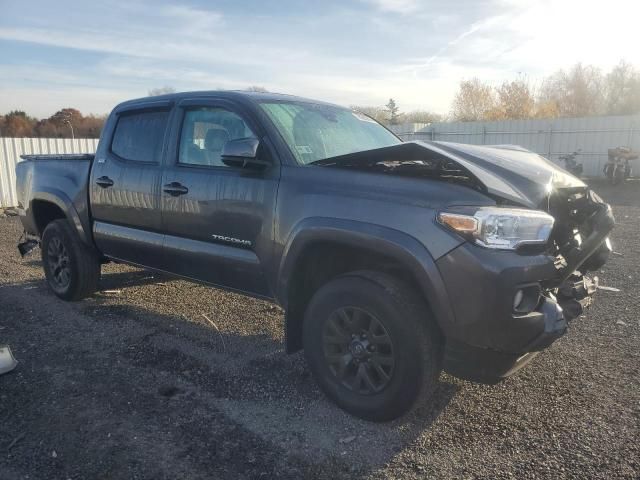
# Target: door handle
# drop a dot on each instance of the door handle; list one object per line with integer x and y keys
{"x": 104, "y": 182}
{"x": 175, "y": 189}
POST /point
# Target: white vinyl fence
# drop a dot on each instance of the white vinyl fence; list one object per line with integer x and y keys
{"x": 12, "y": 148}
{"x": 550, "y": 138}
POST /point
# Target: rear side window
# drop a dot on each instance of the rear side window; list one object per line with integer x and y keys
{"x": 138, "y": 136}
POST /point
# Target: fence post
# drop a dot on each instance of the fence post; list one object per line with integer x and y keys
{"x": 550, "y": 139}
{"x": 484, "y": 135}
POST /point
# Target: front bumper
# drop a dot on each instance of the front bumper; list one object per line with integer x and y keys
{"x": 482, "y": 365}
{"x": 481, "y": 285}
{"x": 489, "y": 340}
{"x": 487, "y": 365}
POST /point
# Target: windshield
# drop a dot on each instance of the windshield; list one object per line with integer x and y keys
{"x": 315, "y": 132}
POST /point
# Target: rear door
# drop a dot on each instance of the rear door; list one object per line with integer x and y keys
{"x": 125, "y": 186}
{"x": 218, "y": 219}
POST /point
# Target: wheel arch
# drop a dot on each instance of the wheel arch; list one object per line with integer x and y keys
{"x": 51, "y": 204}
{"x": 317, "y": 244}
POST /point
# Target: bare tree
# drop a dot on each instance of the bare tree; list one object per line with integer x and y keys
{"x": 257, "y": 88}
{"x": 154, "y": 92}
{"x": 17, "y": 124}
{"x": 392, "y": 111}
{"x": 474, "y": 101}
{"x": 65, "y": 123}
{"x": 577, "y": 92}
{"x": 546, "y": 109}
{"x": 623, "y": 90}
{"x": 515, "y": 100}
{"x": 421, "y": 116}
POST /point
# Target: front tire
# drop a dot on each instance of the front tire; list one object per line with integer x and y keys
{"x": 71, "y": 268}
{"x": 370, "y": 344}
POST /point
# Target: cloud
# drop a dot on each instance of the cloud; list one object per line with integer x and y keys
{"x": 396, "y": 6}
{"x": 358, "y": 52}
{"x": 193, "y": 18}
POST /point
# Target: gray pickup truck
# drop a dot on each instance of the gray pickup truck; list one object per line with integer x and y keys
{"x": 392, "y": 260}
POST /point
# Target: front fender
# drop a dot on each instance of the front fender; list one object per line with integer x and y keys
{"x": 383, "y": 240}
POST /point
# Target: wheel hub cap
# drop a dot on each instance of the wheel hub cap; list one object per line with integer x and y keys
{"x": 358, "y": 350}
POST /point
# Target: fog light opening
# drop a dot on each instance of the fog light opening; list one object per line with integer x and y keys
{"x": 517, "y": 299}
{"x": 526, "y": 299}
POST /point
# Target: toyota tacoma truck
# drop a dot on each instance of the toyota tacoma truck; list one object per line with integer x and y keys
{"x": 392, "y": 260}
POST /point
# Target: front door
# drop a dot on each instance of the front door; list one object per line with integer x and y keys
{"x": 125, "y": 188}
{"x": 217, "y": 218}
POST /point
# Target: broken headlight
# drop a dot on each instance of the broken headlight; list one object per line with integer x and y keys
{"x": 500, "y": 228}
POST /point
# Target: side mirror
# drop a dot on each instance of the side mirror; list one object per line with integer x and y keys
{"x": 242, "y": 153}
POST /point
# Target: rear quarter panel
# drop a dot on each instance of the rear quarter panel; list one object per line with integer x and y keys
{"x": 59, "y": 181}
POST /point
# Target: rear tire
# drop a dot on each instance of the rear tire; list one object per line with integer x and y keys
{"x": 72, "y": 268}
{"x": 371, "y": 345}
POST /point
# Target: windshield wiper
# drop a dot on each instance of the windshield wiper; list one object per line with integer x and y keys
{"x": 324, "y": 161}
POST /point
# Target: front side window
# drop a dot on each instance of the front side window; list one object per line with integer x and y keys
{"x": 138, "y": 136}
{"x": 317, "y": 131}
{"x": 205, "y": 131}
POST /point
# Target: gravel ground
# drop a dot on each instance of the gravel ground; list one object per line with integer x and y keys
{"x": 135, "y": 382}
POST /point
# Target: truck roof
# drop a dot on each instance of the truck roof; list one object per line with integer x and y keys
{"x": 229, "y": 94}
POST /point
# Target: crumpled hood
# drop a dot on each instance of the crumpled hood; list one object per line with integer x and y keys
{"x": 505, "y": 171}
{"x": 509, "y": 171}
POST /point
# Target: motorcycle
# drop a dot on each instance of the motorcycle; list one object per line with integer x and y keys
{"x": 618, "y": 167}
{"x": 570, "y": 164}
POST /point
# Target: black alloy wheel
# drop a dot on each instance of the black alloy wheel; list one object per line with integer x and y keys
{"x": 72, "y": 268}
{"x": 371, "y": 344}
{"x": 58, "y": 259}
{"x": 358, "y": 350}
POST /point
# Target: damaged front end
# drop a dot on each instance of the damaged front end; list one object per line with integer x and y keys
{"x": 512, "y": 304}
{"x": 579, "y": 241}
{"x": 580, "y": 244}
{"x": 527, "y": 187}
{"x": 531, "y": 245}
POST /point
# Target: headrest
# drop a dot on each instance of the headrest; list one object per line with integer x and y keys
{"x": 215, "y": 139}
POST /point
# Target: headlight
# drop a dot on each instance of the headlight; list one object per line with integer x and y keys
{"x": 501, "y": 228}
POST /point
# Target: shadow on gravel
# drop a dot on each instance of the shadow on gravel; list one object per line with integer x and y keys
{"x": 108, "y": 281}
{"x": 143, "y": 394}
{"x": 33, "y": 261}
{"x": 136, "y": 278}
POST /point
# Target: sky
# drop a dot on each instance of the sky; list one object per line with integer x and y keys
{"x": 92, "y": 55}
